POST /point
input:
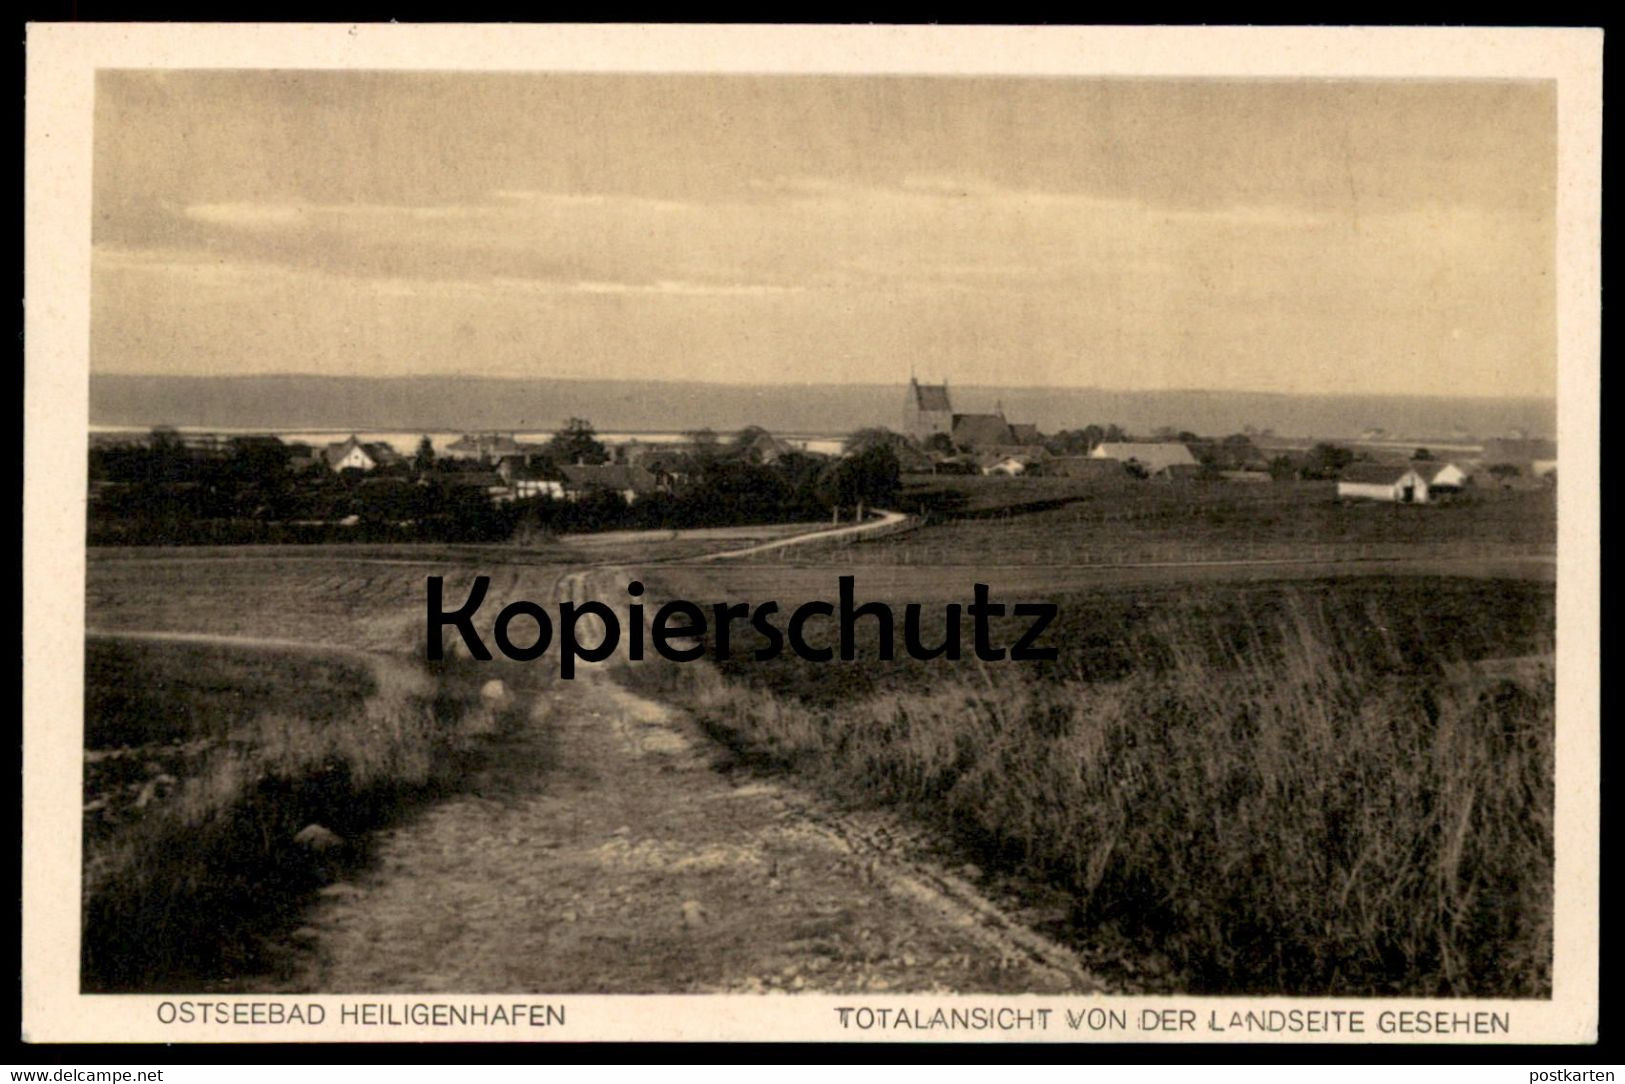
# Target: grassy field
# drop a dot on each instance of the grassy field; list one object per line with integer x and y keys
{"x": 373, "y": 602}
{"x": 973, "y": 495}
{"x": 365, "y": 596}
{"x": 1107, "y": 631}
{"x": 1272, "y": 778}
{"x": 538, "y": 549}
{"x": 204, "y": 761}
{"x": 1332, "y": 786}
{"x": 235, "y": 697}
{"x": 1060, "y": 521}
{"x": 153, "y": 692}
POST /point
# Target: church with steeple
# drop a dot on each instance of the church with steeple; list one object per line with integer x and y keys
{"x": 927, "y": 411}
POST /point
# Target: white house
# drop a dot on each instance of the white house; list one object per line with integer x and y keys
{"x": 349, "y": 453}
{"x": 1399, "y": 483}
{"x": 533, "y": 483}
{"x": 1444, "y": 476}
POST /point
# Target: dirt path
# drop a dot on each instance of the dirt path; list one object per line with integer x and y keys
{"x": 604, "y": 852}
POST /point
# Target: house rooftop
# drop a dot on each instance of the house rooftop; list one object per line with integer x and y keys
{"x": 1377, "y": 473}
{"x": 491, "y": 444}
{"x": 540, "y": 473}
{"x": 610, "y": 476}
{"x": 337, "y": 450}
{"x": 486, "y": 479}
{"x": 981, "y": 430}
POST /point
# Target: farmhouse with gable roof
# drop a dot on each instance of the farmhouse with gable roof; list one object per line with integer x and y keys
{"x": 355, "y": 454}
{"x": 1399, "y": 482}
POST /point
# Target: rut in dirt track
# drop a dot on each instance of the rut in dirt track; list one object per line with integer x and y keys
{"x": 601, "y": 851}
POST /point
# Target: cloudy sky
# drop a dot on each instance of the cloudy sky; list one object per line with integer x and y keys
{"x": 1274, "y": 236}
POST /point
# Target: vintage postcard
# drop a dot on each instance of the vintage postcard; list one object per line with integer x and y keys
{"x": 811, "y": 533}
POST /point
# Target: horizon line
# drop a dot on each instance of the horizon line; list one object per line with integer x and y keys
{"x": 466, "y": 376}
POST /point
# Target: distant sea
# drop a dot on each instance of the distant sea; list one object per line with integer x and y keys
{"x": 402, "y": 408}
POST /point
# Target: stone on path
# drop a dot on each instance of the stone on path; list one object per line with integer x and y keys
{"x": 317, "y": 838}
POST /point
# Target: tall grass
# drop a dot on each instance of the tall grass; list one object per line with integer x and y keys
{"x": 1299, "y": 812}
{"x": 183, "y": 899}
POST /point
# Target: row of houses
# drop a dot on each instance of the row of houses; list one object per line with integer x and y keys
{"x": 518, "y": 470}
{"x": 1108, "y": 460}
{"x": 517, "y": 482}
{"x": 1426, "y": 481}
{"x": 1504, "y": 462}
{"x": 1416, "y": 482}
{"x": 981, "y": 444}
{"x": 991, "y": 444}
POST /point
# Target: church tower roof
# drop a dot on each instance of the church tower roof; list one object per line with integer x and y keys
{"x": 932, "y": 397}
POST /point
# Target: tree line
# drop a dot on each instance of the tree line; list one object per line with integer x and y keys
{"x": 161, "y": 493}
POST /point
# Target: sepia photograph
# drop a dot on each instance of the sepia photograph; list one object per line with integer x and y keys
{"x": 912, "y": 543}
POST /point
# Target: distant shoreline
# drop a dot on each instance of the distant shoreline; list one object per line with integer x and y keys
{"x": 341, "y": 405}
{"x": 792, "y": 386}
